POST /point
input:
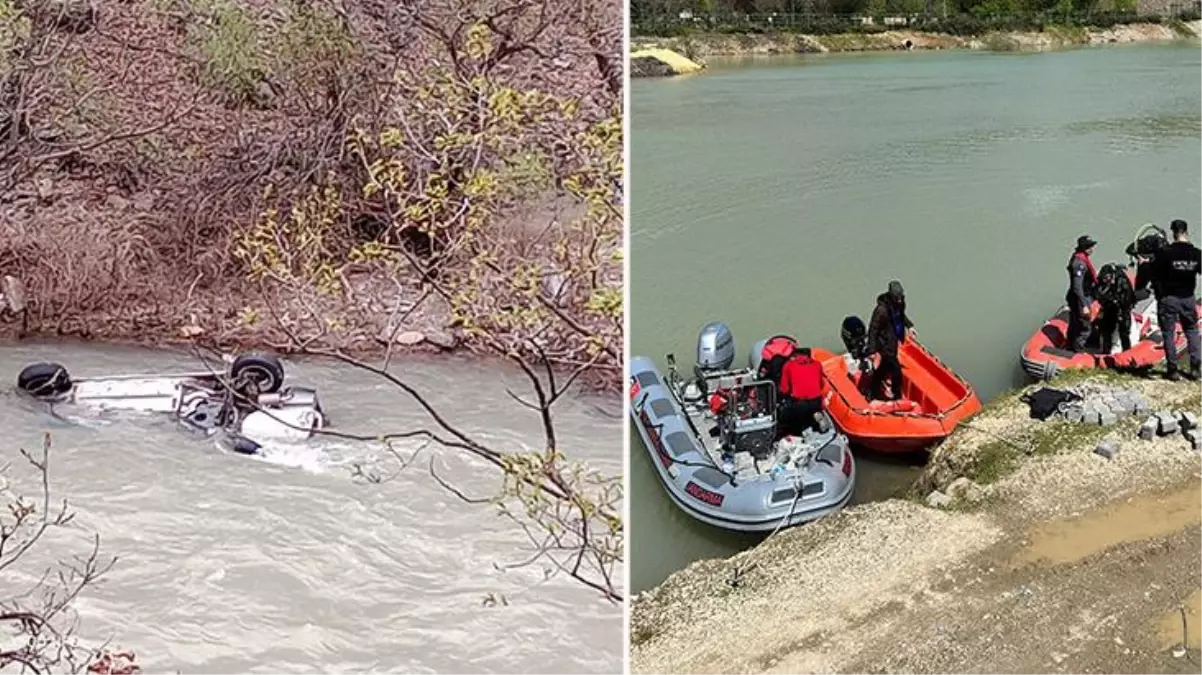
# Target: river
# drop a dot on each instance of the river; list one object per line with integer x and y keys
{"x": 781, "y": 194}
{"x": 285, "y": 564}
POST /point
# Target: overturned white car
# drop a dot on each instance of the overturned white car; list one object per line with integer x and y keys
{"x": 247, "y": 399}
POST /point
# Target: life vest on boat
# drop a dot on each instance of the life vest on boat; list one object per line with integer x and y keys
{"x": 904, "y": 405}
{"x": 801, "y": 377}
{"x": 773, "y": 356}
{"x": 719, "y": 401}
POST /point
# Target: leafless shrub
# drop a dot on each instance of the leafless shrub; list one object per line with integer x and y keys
{"x": 37, "y": 621}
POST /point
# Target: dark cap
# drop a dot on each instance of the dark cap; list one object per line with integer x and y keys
{"x": 1085, "y": 241}
{"x": 1178, "y": 226}
{"x": 896, "y": 290}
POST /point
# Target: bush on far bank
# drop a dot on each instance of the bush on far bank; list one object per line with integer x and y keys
{"x": 979, "y": 22}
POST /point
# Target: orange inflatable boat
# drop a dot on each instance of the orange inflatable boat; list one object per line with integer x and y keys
{"x": 934, "y": 400}
{"x": 1045, "y": 354}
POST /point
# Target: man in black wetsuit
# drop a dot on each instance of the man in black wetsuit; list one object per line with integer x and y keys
{"x": 1117, "y": 298}
{"x": 1174, "y": 279}
{"x": 1081, "y": 280}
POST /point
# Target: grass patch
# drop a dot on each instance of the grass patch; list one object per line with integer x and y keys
{"x": 995, "y": 460}
{"x": 998, "y": 459}
{"x": 641, "y": 635}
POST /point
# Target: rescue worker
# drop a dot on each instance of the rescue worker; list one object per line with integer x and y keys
{"x": 886, "y": 331}
{"x": 1081, "y": 281}
{"x": 1174, "y": 280}
{"x": 801, "y": 392}
{"x": 1117, "y": 298}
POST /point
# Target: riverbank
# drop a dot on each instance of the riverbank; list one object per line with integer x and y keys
{"x": 704, "y": 45}
{"x": 1047, "y": 559}
{"x": 202, "y": 186}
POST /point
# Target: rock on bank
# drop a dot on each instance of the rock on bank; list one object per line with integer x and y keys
{"x": 658, "y": 62}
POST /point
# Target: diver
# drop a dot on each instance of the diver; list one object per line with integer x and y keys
{"x": 1081, "y": 278}
{"x": 886, "y": 332}
{"x": 1174, "y": 280}
{"x": 801, "y": 392}
{"x": 1116, "y": 296}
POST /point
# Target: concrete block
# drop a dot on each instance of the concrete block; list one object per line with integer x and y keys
{"x": 1142, "y": 406}
{"x": 1187, "y": 420}
{"x": 1107, "y": 449}
{"x": 1147, "y": 430}
{"x": 1107, "y": 418}
{"x": 1167, "y": 423}
{"x": 1075, "y": 415}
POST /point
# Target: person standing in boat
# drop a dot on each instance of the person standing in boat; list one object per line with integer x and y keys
{"x": 801, "y": 392}
{"x": 1174, "y": 279}
{"x": 1081, "y": 281}
{"x": 886, "y": 332}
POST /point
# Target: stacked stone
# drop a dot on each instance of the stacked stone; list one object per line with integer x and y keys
{"x": 1166, "y": 423}
{"x": 1104, "y": 406}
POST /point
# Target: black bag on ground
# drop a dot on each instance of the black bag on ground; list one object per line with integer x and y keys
{"x": 1047, "y": 401}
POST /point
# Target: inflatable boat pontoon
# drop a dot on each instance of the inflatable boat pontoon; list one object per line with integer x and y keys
{"x": 248, "y": 400}
{"x": 728, "y": 468}
{"x": 1046, "y": 353}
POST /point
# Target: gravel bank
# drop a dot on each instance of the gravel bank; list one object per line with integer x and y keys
{"x": 900, "y": 585}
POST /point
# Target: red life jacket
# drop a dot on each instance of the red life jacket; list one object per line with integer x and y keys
{"x": 1093, "y": 274}
{"x": 801, "y": 378}
{"x": 719, "y": 402}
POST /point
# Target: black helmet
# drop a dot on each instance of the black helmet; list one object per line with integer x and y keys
{"x": 1085, "y": 242}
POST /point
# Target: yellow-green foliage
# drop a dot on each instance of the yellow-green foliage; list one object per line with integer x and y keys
{"x": 466, "y": 151}
{"x": 292, "y": 248}
{"x": 14, "y": 30}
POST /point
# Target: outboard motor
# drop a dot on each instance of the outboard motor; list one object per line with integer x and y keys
{"x": 855, "y": 337}
{"x": 715, "y": 353}
{"x": 715, "y": 347}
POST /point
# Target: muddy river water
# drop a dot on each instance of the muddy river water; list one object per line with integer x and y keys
{"x": 286, "y": 564}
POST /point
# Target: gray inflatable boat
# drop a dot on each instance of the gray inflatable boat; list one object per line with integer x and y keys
{"x": 728, "y": 468}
